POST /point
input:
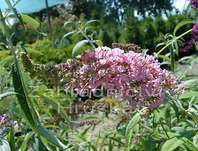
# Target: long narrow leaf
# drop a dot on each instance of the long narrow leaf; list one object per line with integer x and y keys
{"x": 6, "y": 94}
{"x": 21, "y": 95}
{"x": 27, "y": 138}
{"x": 129, "y": 129}
{"x": 79, "y": 45}
{"x": 23, "y": 101}
{"x": 181, "y": 24}
{"x": 189, "y": 94}
{"x": 11, "y": 140}
{"x": 132, "y": 123}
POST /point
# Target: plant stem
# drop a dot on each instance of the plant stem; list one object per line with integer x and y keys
{"x": 187, "y": 32}
{"x": 48, "y": 17}
{"x": 164, "y": 129}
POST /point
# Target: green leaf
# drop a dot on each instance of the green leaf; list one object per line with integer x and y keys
{"x": 24, "y": 145}
{"x": 110, "y": 145}
{"x": 11, "y": 139}
{"x": 49, "y": 136}
{"x": 6, "y": 94}
{"x": 98, "y": 43}
{"x": 28, "y": 111}
{"x": 171, "y": 144}
{"x": 67, "y": 23}
{"x": 132, "y": 123}
{"x": 130, "y": 127}
{"x": 90, "y": 22}
{"x": 190, "y": 82}
{"x": 30, "y": 21}
{"x": 195, "y": 140}
{"x": 189, "y": 145}
{"x": 6, "y": 61}
{"x": 38, "y": 145}
{"x": 83, "y": 133}
{"x": 77, "y": 48}
{"x": 1, "y": 27}
{"x": 79, "y": 45}
{"x": 160, "y": 45}
{"x": 68, "y": 34}
{"x": 21, "y": 95}
{"x": 181, "y": 24}
{"x": 189, "y": 94}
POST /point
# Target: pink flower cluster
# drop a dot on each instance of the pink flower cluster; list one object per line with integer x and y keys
{"x": 194, "y": 38}
{"x": 3, "y": 120}
{"x": 195, "y": 32}
{"x": 129, "y": 76}
{"x": 194, "y": 3}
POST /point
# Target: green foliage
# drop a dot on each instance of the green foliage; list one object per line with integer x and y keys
{"x": 34, "y": 24}
{"x": 147, "y": 32}
{"x": 21, "y": 93}
{"x": 44, "y": 51}
{"x": 172, "y": 144}
{"x": 173, "y": 126}
{"x": 173, "y": 43}
{"x": 5, "y": 58}
{"x": 116, "y": 10}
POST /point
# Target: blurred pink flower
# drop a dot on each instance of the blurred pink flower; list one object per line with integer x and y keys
{"x": 194, "y": 3}
{"x": 195, "y": 30}
{"x": 138, "y": 78}
{"x": 3, "y": 120}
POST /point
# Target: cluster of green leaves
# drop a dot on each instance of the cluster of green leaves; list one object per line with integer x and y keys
{"x": 70, "y": 38}
{"x": 147, "y": 32}
{"x": 39, "y": 49}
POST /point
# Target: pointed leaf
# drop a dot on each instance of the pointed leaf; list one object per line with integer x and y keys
{"x": 6, "y": 94}
{"x": 90, "y": 22}
{"x": 21, "y": 95}
{"x": 171, "y": 144}
{"x": 189, "y": 94}
{"x": 23, "y": 100}
{"x": 181, "y": 24}
{"x": 132, "y": 123}
{"x": 68, "y": 34}
{"x": 49, "y": 136}
{"x": 24, "y": 145}
{"x": 79, "y": 45}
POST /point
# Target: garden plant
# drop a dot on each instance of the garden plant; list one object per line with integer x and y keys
{"x": 82, "y": 81}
